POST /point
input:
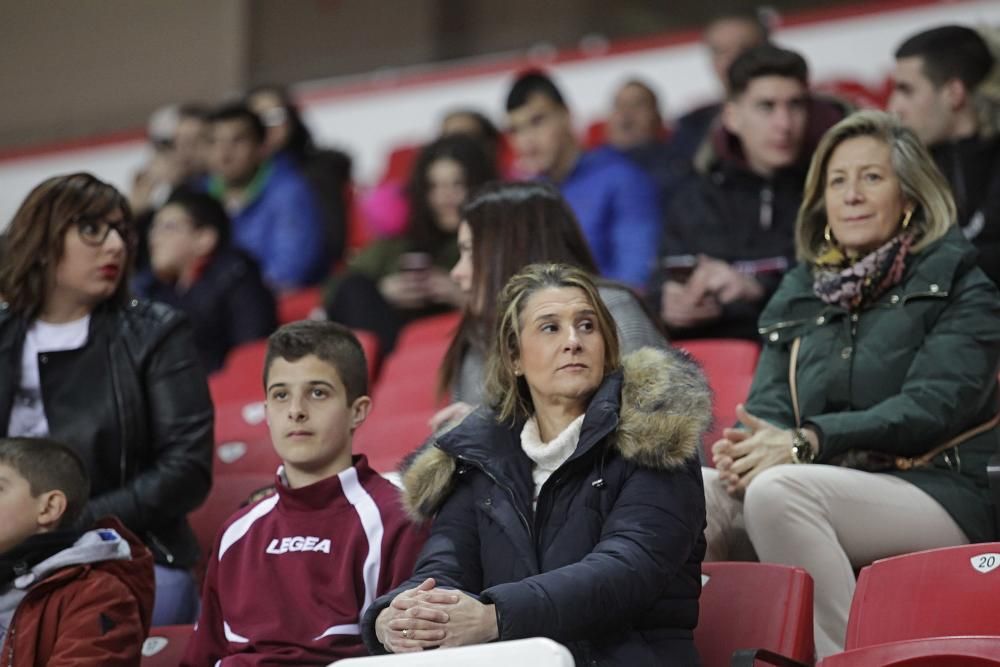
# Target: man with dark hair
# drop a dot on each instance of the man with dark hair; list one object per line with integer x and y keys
{"x": 729, "y": 231}
{"x": 613, "y": 199}
{"x": 725, "y": 37}
{"x": 935, "y": 80}
{"x": 276, "y": 217}
{"x": 69, "y": 594}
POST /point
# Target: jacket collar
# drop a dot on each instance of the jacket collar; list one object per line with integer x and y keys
{"x": 931, "y": 271}
{"x": 653, "y": 412}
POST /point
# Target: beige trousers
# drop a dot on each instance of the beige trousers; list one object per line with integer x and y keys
{"x": 828, "y": 520}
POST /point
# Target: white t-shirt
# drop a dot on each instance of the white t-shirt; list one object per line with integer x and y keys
{"x": 27, "y": 418}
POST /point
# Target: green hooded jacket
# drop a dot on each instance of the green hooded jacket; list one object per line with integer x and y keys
{"x": 908, "y": 373}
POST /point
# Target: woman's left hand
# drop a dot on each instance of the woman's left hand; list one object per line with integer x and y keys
{"x": 751, "y": 450}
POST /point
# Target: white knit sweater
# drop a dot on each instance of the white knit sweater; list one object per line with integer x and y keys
{"x": 548, "y": 456}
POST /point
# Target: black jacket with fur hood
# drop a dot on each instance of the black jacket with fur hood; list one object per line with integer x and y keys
{"x": 609, "y": 564}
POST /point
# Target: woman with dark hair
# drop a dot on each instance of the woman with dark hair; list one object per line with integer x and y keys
{"x": 394, "y": 281}
{"x": 116, "y": 378}
{"x": 506, "y": 226}
{"x": 289, "y": 139}
{"x": 572, "y": 508}
{"x": 195, "y": 268}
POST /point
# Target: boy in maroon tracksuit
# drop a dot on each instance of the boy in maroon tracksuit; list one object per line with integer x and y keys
{"x": 292, "y": 574}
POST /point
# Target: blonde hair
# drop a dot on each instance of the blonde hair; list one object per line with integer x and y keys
{"x": 507, "y": 392}
{"x": 921, "y": 183}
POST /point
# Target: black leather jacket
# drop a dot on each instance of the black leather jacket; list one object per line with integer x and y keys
{"x": 134, "y": 403}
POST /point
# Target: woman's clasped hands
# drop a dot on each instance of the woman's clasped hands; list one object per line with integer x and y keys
{"x": 428, "y": 617}
{"x": 743, "y": 453}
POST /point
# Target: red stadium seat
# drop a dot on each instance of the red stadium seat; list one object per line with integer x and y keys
{"x": 437, "y": 330}
{"x": 729, "y": 366}
{"x": 758, "y": 611}
{"x": 165, "y": 645}
{"x": 400, "y": 162}
{"x": 241, "y": 380}
{"x": 369, "y": 343}
{"x": 946, "y": 592}
{"x": 299, "y": 305}
{"x": 934, "y": 652}
{"x": 387, "y": 438}
{"x": 228, "y": 494}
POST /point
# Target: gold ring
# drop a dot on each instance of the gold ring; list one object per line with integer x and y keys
{"x": 406, "y": 633}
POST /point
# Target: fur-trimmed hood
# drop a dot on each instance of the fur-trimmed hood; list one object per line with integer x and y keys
{"x": 657, "y": 408}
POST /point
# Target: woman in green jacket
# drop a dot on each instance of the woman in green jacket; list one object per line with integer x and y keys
{"x": 873, "y": 410}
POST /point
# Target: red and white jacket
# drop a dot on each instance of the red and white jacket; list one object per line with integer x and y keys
{"x": 292, "y": 574}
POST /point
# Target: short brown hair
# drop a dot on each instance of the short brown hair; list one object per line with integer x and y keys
{"x": 34, "y": 241}
{"x": 331, "y": 342}
{"x": 919, "y": 179}
{"x": 508, "y": 393}
{"x": 765, "y": 60}
{"x": 48, "y": 465}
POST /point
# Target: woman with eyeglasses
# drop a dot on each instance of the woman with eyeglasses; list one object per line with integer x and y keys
{"x": 116, "y": 378}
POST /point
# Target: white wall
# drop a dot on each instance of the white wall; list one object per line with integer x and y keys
{"x": 369, "y": 124}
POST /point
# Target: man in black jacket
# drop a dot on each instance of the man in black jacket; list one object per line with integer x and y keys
{"x": 729, "y": 231}
{"x": 936, "y": 76}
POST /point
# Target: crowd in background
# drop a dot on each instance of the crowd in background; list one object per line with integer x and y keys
{"x": 746, "y": 218}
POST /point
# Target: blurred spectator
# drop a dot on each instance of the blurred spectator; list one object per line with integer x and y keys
{"x": 276, "y": 217}
{"x": 195, "y": 269}
{"x": 725, "y": 37}
{"x": 328, "y": 171}
{"x": 385, "y": 207}
{"x": 178, "y": 138}
{"x": 397, "y": 280}
{"x": 473, "y": 124}
{"x": 505, "y": 227}
{"x": 635, "y": 127}
{"x": 729, "y": 232}
{"x": 937, "y": 75}
{"x": 613, "y": 199}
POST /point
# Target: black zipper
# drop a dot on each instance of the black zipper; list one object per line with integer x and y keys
{"x": 510, "y": 492}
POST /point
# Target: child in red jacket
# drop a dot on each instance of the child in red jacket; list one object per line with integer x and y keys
{"x": 67, "y": 597}
{"x": 292, "y": 574}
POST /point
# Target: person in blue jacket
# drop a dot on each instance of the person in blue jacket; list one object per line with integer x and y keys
{"x": 573, "y": 509}
{"x": 614, "y": 200}
{"x": 276, "y": 216}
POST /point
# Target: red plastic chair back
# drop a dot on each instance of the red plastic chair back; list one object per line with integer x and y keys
{"x": 299, "y": 305}
{"x": 935, "y": 652}
{"x": 754, "y": 605}
{"x": 405, "y": 397}
{"x": 400, "y": 162}
{"x": 436, "y": 330}
{"x": 228, "y": 494}
{"x": 729, "y": 365}
{"x": 934, "y": 593}
{"x": 165, "y": 645}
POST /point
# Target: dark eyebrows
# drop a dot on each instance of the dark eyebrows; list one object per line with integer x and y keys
{"x": 311, "y": 383}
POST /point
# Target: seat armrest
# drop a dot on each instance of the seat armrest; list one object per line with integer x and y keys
{"x": 746, "y": 657}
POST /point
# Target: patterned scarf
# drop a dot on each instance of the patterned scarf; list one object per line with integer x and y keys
{"x": 856, "y": 283}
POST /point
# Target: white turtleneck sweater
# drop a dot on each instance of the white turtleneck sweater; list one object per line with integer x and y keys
{"x": 548, "y": 456}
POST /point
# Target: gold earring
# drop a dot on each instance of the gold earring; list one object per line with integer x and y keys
{"x": 906, "y": 218}
{"x": 826, "y": 234}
